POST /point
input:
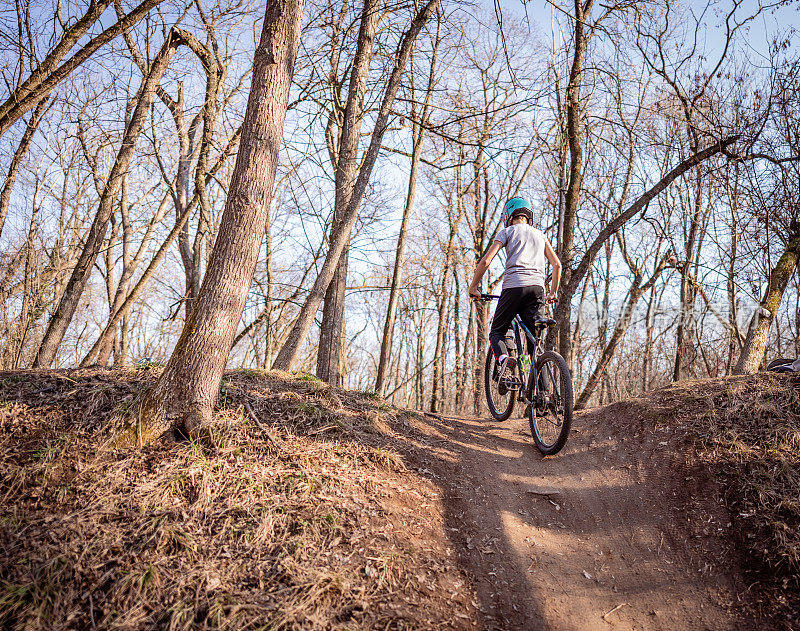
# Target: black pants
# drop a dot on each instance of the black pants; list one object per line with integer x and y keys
{"x": 524, "y": 301}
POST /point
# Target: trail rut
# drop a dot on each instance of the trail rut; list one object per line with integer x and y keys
{"x": 600, "y": 536}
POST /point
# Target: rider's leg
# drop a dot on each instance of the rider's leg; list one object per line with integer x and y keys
{"x": 531, "y": 299}
{"x": 530, "y": 302}
{"x": 503, "y": 316}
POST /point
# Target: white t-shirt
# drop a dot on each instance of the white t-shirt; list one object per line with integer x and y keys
{"x": 525, "y": 259}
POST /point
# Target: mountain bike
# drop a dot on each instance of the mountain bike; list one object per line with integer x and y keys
{"x": 540, "y": 379}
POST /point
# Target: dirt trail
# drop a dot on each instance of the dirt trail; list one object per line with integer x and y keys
{"x": 583, "y": 540}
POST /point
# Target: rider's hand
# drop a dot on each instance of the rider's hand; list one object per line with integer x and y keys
{"x": 552, "y": 297}
{"x": 474, "y": 294}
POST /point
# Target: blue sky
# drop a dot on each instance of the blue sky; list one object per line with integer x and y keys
{"x": 761, "y": 31}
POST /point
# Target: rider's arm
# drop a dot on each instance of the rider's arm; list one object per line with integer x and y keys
{"x": 482, "y": 266}
{"x": 551, "y": 255}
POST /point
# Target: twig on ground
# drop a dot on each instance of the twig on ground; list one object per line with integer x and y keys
{"x": 608, "y": 613}
{"x": 261, "y": 426}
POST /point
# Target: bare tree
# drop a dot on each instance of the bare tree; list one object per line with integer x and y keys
{"x": 185, "y": 394}
{"x": 636, "y": 291}
{"x": 19, "y": 154}
{"x": 60, "y": 320}
{"x": 777, "y": 205}
{"x": 330, "y": 366}
{"x": 340, "y": 235}
{"x": 418, "y": 126}
{"x": 28, "y": 93}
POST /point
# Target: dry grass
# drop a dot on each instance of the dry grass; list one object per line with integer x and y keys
{"x": 301, "y": 515}
{"x": 747, "y": 432}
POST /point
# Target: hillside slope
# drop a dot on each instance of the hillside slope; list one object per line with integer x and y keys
{"x": 300, "y": 516}
{"x": 318, "y": 508}
{"x": 743, "y": 433}
{"x": 675, "y": 510}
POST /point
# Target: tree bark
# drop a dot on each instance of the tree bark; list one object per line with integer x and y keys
{"x": 469, "y": 348}
{"x": 441, "y": 308}
{"x": 330, "y": 363}
{"x": 419, "y": 381}
{"x": 756, "y": 342}
{"x": 331, "y": 356}
{"x": 341, "y": 234}
{"x": 60, "y": 320}
{"x": 478, "y": 247}
{"x": 459, "y": 375}
{"x": 185, "y": 394}
{"x": 574, "y": 131}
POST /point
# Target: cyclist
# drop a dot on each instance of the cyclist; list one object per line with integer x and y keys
{"x": 523, "y": 285}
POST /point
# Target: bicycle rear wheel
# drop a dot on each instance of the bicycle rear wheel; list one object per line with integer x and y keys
{"x": 550, "y": 413}
{"x": 499, "y": 396}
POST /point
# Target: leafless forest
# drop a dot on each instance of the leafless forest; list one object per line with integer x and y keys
{"x": 658, "y": 142}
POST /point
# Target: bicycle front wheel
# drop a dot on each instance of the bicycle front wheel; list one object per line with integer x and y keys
{"x": 550, "y": 412}
{"x": 500, "y": 393}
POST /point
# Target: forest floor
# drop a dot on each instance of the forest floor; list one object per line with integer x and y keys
{"x": 677, "y": 510}
{"x": 320, "y": 508}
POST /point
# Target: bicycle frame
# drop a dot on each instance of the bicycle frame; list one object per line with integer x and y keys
{"x": 546, "y": 388}
{"x": 536, "y": 341}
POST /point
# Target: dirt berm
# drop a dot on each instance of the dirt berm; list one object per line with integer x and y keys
{"x": 317, "y": 508}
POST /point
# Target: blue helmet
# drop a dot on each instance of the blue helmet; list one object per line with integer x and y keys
{"x": 517, "y": 206}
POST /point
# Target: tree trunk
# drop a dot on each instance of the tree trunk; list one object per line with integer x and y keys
{"x": 685, "y": 352}
{"x": 113, "y": 297}
{"x": 60, "y": 320}
{"x": 441, "y": 308}
{"x": 577, "y": 333}
{"x": 264, "y": 360}
{"x": 610, "y": 348}
{"x": 417, "y": 137}
{"x": 647, "y": 357}
{"x": 574, "y": 128}
{"x": 329, "y": 353}
{"x": 394, "y": 291}
{"x": 439, "y": 351}
{"x": 121, "y": 344}
{"x": 340, "y": 236}
{"x": 31, "y": 293}
{"x": 469, "y": 347}
{"x": 459, "y": 375}
{"x": 419, "y": 381}
{"x": 186, "y": 392}
{"x": 19, "y": 154}
{"x": 331, "y": 360}
{"x": 756, "y": 342}
{"x": 478, "y": 361}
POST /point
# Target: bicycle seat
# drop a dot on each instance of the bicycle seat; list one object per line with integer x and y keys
{"x": 543, "y": 322}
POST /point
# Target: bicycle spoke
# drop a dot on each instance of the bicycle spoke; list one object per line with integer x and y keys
{"x": 549, "y": 418}
{"x": 500, "y": 392}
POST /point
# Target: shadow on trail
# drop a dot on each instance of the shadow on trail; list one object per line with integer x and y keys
{"x": 464, "y": 459}
{"x": 559, "y": 542}
{"x": 611, "y": 545}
